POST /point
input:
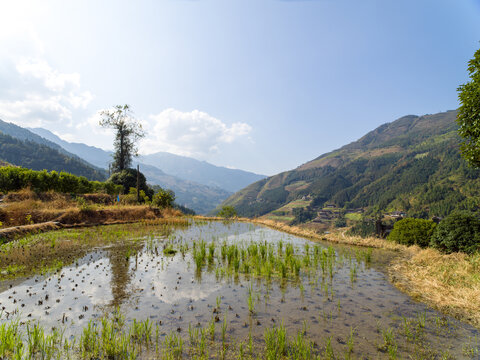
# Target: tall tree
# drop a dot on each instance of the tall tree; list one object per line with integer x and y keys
{"x": 468, "y": 117}
{"x": 128, "y": 132}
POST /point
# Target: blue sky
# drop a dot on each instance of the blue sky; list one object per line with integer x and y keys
{"x": 260, "y": 85}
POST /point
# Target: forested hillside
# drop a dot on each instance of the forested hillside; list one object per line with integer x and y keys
{"x": 36, "y": 156}
{"x": 412, "y": 164}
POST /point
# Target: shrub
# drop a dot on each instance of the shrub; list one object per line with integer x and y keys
{"x": 227, "y": 212}
{"x": 17, "y": 178}
{"x": 363, "y": 229}
{"x": 340, "y": 222}
{"x": 303, "y": 215}
{"x": 459, "y": 231}
{"x": 412, "y": 231}
{"x": 128, "y": 179}
{"x": 163, "y": 198}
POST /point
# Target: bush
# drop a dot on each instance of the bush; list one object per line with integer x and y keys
{"x": 340, "y": 222}
{"x": 227, "y": 212}
{"x": 363, "y": 229}
{"x": 303, "y": 215}
{"x": 128, "y": 179}
{"x": 163, "y": 198}
{"x": 17, "y": 178}
{"x": 412, "y": 231}
{"x": 459, "y": 231}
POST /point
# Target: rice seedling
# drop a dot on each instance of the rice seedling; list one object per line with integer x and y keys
{"x": 350, "y": 343}
{"x": 224, "y": 330}
{"x": 275, "y": 342}
{"x": 211, "y": 328}
{"x": 305, "y": 327}
{"x": 407, "y": 329}
{"x": 173, "y": 346}
{"x": 421, "y": 319}
{"x": 353, "y": 273}
{"x": 389, "y": 344}
{"x": 300, "y": 347}
{"x": 251, "y": 300}
{"x": 328, "y": 353}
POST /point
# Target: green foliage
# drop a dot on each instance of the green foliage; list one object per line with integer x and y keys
{"x": 468, "y": 117}
{"x": 128, "y": 179}
{"x": 163, "y": 198}
{"x": 227, "y": 212}
{"x": 363, "y": 229}
{"x": 460, "y": 231}
{"x": 185, "y": 210}
{"x": 412, "y": 231}
{"x": 131, "y": 197}
{"x": 303, "y": 215}
{"x": 38, "y": 157}
{"x": 16, "y": 178}
{"x": 128, "y": 132}
{"x": 340, "y": 222}
{"x": 424, "y": 175}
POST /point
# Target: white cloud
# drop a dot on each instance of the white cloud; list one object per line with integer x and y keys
{"x": 39, "y": 95}
{"x": 52, "y": 79}
{"x": 193, "y": 133}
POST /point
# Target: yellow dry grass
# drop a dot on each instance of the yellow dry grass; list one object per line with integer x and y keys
{"x": 26, "y": 207}
{"x": 449, "y": 283}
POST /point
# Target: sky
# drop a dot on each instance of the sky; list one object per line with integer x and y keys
{"x": 259, "y": 85}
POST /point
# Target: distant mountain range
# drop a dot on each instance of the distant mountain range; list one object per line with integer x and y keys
{"x": 181, "y": 167}
{"x": 92, "y": 154}
{"x": 201, "y": 171}
{"x": 197, "y": 184}
{"x": 411, "y": 164}
{"x": 21, "y": 147}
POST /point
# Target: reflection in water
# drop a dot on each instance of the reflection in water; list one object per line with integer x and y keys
{"x": 120, "y": 258}
{"x": 173, "y": 293}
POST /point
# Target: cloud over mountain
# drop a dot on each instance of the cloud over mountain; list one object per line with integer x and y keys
{"x": 193, "y": 133}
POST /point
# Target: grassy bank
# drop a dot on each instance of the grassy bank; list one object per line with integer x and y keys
{"x": 449, "y": 283}
{"x": 27, "y": 207}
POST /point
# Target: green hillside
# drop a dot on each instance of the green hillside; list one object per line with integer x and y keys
{"x": 35, "y": 156}
{"x": 412, "y": 164}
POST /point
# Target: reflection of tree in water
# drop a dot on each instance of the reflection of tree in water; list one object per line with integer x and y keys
{"x": 119, "y": 257}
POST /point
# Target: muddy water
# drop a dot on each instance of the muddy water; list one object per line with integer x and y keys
{"x": 169, "y": 290}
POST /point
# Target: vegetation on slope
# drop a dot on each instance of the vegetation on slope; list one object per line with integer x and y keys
{"x": 36, "y": 156}
{"x": 412, "y": 164}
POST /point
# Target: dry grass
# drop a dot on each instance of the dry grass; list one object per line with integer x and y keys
{"x": 337, "y": 237}
{"x": 26, "y": 207}
{"x": 450, "y": 283}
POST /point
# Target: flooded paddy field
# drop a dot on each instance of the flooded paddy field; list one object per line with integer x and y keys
{"x": 211, "y": 290}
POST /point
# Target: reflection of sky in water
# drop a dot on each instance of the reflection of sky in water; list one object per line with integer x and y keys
{"x": 167, "y": 289}
{"x": 68, "y": 292}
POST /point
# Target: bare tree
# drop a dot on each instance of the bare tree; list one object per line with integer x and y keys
{"x": 128, "y": 132}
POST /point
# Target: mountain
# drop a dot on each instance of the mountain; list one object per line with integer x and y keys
{"x": 67, "y": 161}
{"x": 181, "y": 167}
{"x": 92, "y": 154}
{"x": 191, "y": 194}
{"x": 32, "y": 155}
{"x": 198, "y": 197}
{"x": 201, "y": 171}
{"x": 412, "y": 164}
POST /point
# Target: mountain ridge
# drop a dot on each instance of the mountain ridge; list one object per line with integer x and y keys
{"x": 390, "y": 168}
{"x": 181, "y": 167}
{"x": 199, "y": 197}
